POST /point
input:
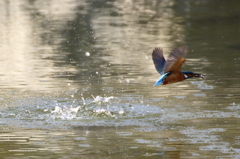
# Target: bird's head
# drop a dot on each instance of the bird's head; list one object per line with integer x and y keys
{"x": 188, "y": 74}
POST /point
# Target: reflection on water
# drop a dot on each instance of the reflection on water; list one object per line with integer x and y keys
{"x": 76, "y": 79}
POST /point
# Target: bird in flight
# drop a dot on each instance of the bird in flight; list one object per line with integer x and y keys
{"x": 171, "y": 69}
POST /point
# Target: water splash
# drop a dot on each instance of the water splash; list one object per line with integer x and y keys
{"x": 99, "y": 99}
{"x": 65, "y": 113}
{"x": 103, "y": 112}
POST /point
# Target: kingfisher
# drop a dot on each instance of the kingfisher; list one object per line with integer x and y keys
{"x": 171, "y": 69}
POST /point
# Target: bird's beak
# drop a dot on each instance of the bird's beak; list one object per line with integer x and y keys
{"x": 202, "y": 76}
{"x": 198, "y": 75}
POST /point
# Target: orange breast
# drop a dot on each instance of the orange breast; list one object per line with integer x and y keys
{"x": 172, "y": 78}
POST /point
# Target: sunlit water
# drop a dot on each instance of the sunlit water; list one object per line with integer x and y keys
{"x": 77, "y": 79}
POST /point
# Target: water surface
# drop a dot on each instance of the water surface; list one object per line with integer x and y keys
{"x": 77, "y": 79}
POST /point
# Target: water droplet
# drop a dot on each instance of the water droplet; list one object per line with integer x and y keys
{"x": 121, "y": 112}
{"x": 87, "y": 54}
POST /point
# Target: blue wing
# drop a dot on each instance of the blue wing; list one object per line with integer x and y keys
{"x": 161, "y": 79}
{"x": 158, "y": 60}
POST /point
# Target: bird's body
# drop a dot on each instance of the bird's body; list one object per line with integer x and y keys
{"x": 174, "y": 77}
{"x": 171, "y": 69}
